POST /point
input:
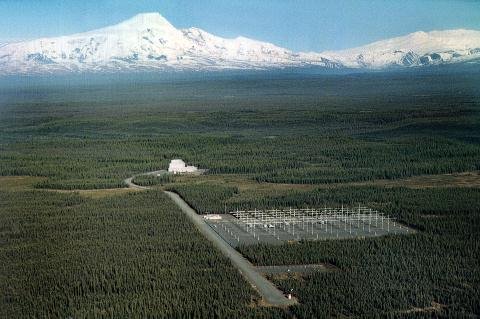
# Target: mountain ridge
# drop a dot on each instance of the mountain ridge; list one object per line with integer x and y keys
{"x": 149, "y": 42}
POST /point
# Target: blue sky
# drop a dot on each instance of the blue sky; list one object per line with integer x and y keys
{"x": 306, "y": 25}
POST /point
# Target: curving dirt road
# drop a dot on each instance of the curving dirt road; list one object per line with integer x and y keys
{"x": 271, "y": 294}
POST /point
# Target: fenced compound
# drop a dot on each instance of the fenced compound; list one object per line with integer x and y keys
{"x": 278, "y": 226}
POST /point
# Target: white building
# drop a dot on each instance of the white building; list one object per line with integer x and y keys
{"x": 177, "y": 166}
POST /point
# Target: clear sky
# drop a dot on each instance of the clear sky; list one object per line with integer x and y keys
{"x": 302, "y": 25}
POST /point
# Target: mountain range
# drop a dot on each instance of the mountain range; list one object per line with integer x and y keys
{"x": 148, "y": 42}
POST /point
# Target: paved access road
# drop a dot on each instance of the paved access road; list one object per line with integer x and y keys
{"x": 129, "y": 181}
{"x": 271, "y": 294}
{"x": 267, "y": 290}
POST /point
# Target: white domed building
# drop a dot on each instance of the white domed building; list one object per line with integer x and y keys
{"x": 178, "y": 166}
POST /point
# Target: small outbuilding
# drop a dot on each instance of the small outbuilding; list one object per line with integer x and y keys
{"x": 178, "y": 166}
{"x": 212, "y": 217}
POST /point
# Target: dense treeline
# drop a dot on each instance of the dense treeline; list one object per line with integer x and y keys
{"x": 401, "y": 202}
{"x": 132, "y": 256}
{"x": 300, "y": 159}
{"x": 304, "y": 138}
{"x": 73, "y": 184}
{"x": 151, "y": 180}
{"x": 214, "y": 198}
{"x": 67, "y": 256}
{"x": 391, "y": 275}
{"x": 205, "y": 198}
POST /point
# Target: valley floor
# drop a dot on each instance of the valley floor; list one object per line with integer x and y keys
{"x": 76, "y": 242}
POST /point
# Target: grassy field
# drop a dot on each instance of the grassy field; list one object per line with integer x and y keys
{"x": 405, "y": 143}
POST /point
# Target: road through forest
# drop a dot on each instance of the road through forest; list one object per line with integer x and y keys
{"x": 271, "y": 294}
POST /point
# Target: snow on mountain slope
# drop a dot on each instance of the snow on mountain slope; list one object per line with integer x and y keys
{"x": 145, "y": 42}
{"x": 149, "y": 42}
{"x": 415, "y": 49}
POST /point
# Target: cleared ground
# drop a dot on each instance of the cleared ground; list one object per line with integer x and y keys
{"x": 236, "y": 232}
{"x": 17, "y": 183}
{"x": 244, "y": 183}
{"x": 22, "y": 183}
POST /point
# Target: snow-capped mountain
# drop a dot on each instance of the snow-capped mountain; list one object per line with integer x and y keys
{"x": 149, "y": 42}
{"x": 146, "y": 42}
{"x": 415, "y": 49}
